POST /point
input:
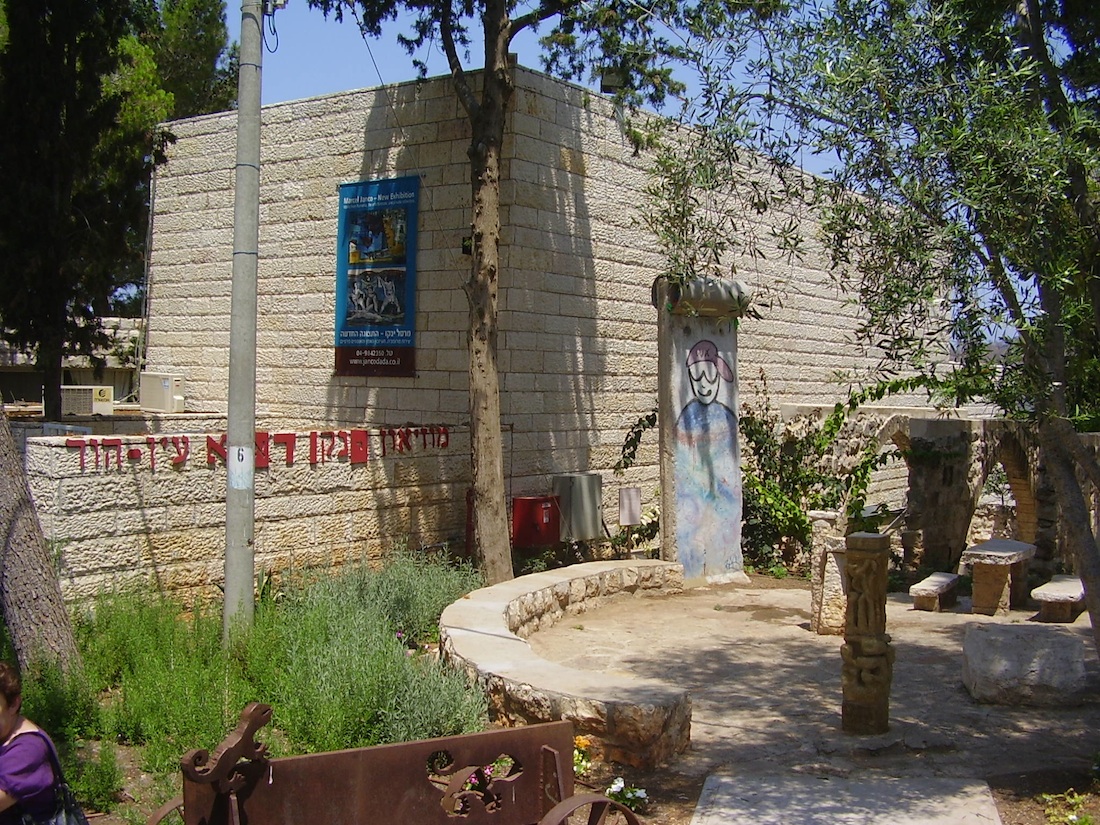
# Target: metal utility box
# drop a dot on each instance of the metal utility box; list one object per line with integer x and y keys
{"x": 534, "y": 521}
{"x": 162, "y": 392}
{"x": 580, "y": 496}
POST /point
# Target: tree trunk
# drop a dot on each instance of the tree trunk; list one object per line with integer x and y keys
{"x": 30, "y": 593}
{"x": 493, "y": 547}
{"x": 49, "y": 363}
{"x": 1074, "y": 512}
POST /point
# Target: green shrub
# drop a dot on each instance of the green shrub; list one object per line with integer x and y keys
{"x": 332, "y": 658}
{"x": 172, "y": 686}
{"x": 118, "y": 631}
{"x": 331, "y": 662}
{"x": 63, "y": 704}
{"x": 97, "y": 780}
{"x": 412, "y": 591}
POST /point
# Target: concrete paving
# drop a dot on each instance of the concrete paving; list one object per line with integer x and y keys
{"x": 766, "y": 707}
{"x": 820, "y": 800}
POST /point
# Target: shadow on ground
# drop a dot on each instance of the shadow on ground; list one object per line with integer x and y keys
{"x": 766, "y": 690}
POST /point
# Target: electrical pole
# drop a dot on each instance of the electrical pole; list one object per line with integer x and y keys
{"x": 240, "y": 453}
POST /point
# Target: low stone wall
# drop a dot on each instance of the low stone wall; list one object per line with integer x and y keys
{"x": 634, "y": 721}
{"x": 121, "y": 509}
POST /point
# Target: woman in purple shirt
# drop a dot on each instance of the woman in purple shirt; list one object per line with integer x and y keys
{"x": 27, "y": 780}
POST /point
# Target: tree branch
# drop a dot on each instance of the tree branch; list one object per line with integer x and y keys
{"x": 465, "y": 94}
{"x": 545, "y": 11}
{"x": 1058, "y": 108}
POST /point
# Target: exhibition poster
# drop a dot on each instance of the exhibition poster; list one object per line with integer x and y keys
{"x": 376, "y": 278}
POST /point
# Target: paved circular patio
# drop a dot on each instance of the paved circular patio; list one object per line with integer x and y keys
{"x": 766, "y": 690}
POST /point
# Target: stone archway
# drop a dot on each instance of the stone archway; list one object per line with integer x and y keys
{"x": 1014, "y": 460}
{"x": 947, "y": 461}
{"x": 1036, "y": 507}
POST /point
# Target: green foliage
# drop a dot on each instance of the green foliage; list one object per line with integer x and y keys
{"x": 172, "y": 683}
{"x": 96, "y": 780}
{"x": 411, "y": 591}
{"x": 62, "y": 703}
{"x": 83, "y": 86}
{"x": 331, "y": 662}
{"x": 787, "y": 471}
{"x": 332, "y": 657}
{"x": 1065, "y": 808}
{"x": 144, "y": 103}
{"x": 963, "y": 209}
{"x": 65, "y": 236}
{"x": 196, "y": 65}
{"x": 783, "y": 476}
{"x": 629, "y": 452}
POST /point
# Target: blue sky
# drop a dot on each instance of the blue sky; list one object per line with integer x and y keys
{"x": 313, "y": 56}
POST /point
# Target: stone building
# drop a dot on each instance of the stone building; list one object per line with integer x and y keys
{"x": 355, "y": 465}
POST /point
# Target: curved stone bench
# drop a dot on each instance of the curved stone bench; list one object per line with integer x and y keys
{"x": 631, "y": 720}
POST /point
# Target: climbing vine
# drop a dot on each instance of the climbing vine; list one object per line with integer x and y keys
{"x": 786, "y": 472}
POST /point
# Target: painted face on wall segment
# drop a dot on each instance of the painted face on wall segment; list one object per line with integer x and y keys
{"x": 704, "y": 380}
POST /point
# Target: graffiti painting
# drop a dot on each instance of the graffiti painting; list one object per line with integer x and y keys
{"x": 707, "y": 465}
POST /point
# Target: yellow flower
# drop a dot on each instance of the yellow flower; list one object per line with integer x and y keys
{"x": 581, "y": 743}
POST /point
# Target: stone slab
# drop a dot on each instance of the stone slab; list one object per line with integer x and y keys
{"x": 1032, "y": 665}
{"x": 935, "y": 592}
{"x": 934, "y": 585}
{"x": 816, "y": 800}
{"x": 998, "y": 551}
{"x": 1061, "y": 588}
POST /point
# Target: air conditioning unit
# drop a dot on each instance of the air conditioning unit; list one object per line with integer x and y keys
{"x": 162, "y": 392}
{"x": 87, "y": 400}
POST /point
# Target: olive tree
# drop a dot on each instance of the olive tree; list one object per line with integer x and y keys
{"x": 962, "y": 140}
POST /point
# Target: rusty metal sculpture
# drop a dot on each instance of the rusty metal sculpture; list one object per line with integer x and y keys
{"x": 600, "y": 808}
{"x": 222, "y": 770}
{"x": 516, "y": 776}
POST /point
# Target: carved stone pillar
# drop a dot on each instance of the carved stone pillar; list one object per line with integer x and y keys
{"x": 868, "y": 659}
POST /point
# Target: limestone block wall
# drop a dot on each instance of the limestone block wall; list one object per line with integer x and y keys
{"x": 577, "y": 342}
{"x": 151, "y": 508}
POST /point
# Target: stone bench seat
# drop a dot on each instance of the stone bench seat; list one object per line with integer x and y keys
{"x": 635, "y": 721}
{"x": 935, "y": 592}
{"x": 1061, "y": 599}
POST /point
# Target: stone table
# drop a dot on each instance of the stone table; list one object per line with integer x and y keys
{"x": 1000, "y": 575}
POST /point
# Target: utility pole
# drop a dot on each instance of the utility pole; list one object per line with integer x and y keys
{"x": 240, "y": 492}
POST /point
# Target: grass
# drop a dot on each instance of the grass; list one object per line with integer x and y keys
{"x": 339, "y": 659}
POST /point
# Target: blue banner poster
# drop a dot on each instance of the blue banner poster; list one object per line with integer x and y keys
{"x": 376, "y": 278}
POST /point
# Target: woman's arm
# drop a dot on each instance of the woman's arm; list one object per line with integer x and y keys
{"x": 6, "y": 800}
